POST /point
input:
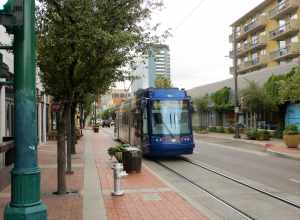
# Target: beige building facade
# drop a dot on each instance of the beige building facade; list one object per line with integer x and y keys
{"x": 267, "y": 36}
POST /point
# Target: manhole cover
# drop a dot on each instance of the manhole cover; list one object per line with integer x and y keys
{"x": 151, "y": 197}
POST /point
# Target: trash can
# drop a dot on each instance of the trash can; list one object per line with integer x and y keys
{"x": 132, "y": 159}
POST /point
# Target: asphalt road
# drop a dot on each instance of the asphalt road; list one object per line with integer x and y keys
{"x": 249, "y": 162}
{"x": 246, "y": 162}
{"x": 280, "y": 175}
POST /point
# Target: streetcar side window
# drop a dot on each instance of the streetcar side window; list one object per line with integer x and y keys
{"x": 145, "y": 122}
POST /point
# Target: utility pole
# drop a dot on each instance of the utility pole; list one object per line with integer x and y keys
{"x": 236, "y": 95}
{"x": 19, "y": 19}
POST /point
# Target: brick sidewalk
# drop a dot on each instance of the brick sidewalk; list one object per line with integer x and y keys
{"x": 275, "y": 146}
{"x": 67, "y": 207}
{"x": 146, "y": 197}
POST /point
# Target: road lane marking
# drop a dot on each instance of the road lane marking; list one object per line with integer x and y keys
{"x": 229, "y": 147}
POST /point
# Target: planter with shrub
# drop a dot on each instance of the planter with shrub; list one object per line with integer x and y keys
{"x": 117, "y": 151}
{"x": 291, "y": 136}
{"x": 96, "y": 128}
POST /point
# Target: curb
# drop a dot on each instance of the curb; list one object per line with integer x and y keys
{"x": 283, "y": 155}
{"x": 265, "y": 145}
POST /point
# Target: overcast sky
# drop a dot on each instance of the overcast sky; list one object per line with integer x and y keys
{"x": 200, "y": 43}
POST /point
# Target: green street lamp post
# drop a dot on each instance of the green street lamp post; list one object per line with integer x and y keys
{"x": 18, "y": 17}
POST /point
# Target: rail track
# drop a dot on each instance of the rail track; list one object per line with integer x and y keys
{"x": 239, "y": 211}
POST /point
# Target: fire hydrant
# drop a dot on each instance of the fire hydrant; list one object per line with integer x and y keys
{"x": 118, "y": 173}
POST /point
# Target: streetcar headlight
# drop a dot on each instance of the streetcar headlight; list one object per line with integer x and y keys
{"x": 186, "y": 139}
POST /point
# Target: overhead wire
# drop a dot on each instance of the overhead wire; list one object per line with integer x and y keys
{"x": 188, "y": 15}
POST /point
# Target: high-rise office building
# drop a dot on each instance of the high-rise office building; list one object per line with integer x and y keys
{"x": 155, "y": 62}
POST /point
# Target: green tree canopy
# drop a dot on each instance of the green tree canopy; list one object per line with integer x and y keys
{"x": 255, "y": 99}
{"x": 290, "y": 88}
{"x": 202, "y": 103}
{"x": 221, "y": 99}
{"x": 273, "y": 86}
{"x": 162, "y": 82}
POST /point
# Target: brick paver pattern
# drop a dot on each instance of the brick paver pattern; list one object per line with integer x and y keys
{"x": 67, "y": 207}
{"x": 146, "y": 196}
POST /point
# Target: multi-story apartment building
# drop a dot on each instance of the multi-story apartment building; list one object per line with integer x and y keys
{"x": 267, "y": 36}
{"x": 113, "y": 98}
{"x": 155, "y": 62}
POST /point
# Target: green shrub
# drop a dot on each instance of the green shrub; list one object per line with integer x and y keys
{"x": 278, "y": 133}
{"x": 212, "y": 129}
{"x": 252, "y": 134}
{"x": 117, "y": 151}
{"x": 220, "y": 130}
{"x": 263, "y": 135}
{"x": 229, "y": 130}
{"x": 291, "y": 129}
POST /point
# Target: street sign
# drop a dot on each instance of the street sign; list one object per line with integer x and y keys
{"x": 236, "y": 110}
{"x": 55, "y": 107}
{"x": 2, "y": 3}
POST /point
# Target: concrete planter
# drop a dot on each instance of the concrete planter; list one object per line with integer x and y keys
{"x": 96, "y": 129}
{"x": 291, "y": 141}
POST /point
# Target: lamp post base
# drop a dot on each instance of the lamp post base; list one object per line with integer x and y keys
{"x": 37, "y": 212}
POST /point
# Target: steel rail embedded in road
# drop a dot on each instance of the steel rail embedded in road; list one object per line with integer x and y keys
{"x": 237, "y": 210}
{"x": 242, "y": 183}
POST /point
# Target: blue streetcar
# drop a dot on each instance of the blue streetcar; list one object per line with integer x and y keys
{"x": 158, "y": 121}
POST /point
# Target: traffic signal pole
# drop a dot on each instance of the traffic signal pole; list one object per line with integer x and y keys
{"x": 25, "y": 201}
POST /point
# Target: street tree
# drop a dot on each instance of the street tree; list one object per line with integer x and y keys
{"x": 289, "y": 88}
{"x": 82, "y": 47}
{"x": 162, "y": 82}
{"x": 255, "y": 99}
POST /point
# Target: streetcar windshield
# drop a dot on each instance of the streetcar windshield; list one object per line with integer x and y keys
{"x": 170, "y": 117}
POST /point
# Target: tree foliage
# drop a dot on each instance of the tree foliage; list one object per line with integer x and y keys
{"x": 202, "y": 103}
{"x": 255, "y": 99}
{"x": 274, "y": 84}
{"x": 290, "y": 88}
{"x": 162, "y": 82}
{"x": 221, "y": 99}
{"x": 83, "y": 46}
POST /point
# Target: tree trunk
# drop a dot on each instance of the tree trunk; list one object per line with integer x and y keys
{"x": 81, "y": 118}
{"x": 69, "y": 139}
{"x": 73, "y": 131}
{"x": 61, "y": 153}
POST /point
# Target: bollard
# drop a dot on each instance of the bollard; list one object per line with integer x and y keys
{"x": 118, "y": 173}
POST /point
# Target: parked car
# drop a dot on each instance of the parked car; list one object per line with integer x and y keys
{"x": 105, "y": 123}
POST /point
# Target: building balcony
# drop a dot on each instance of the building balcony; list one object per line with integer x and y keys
{"x": 289, "y": 29}
{"x": 289, "y": 52}
{"x": 251, "y": 65}
{"x": 253, "y": 46}
{"x": 284, "y": 8}
{"x": 257, "y": 25}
